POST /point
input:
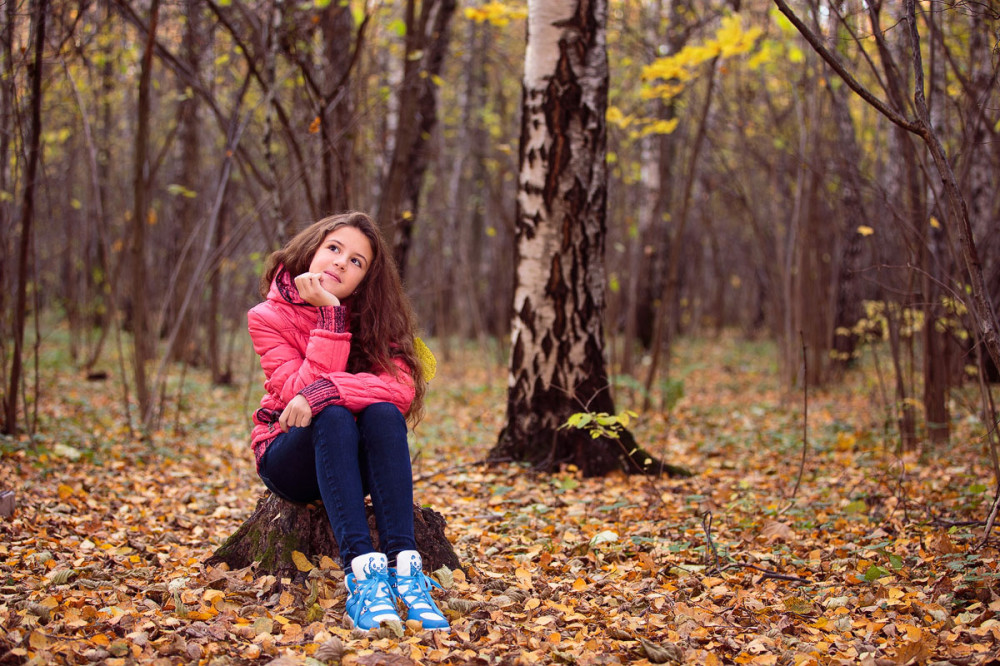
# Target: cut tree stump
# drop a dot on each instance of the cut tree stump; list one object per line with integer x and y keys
{"x": 277, "y": 528}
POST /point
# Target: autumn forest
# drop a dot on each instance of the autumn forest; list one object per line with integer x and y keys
{"x": 712, "y": 287}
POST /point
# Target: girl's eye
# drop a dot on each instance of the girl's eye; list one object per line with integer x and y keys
{"x": 357, "y": 262}
{"x": 335, "y": 248}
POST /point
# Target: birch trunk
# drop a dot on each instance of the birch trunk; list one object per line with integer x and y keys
{"x": 557, "y": 364}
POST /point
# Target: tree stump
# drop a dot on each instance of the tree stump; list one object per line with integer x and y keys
{"x": 277, "y": 528}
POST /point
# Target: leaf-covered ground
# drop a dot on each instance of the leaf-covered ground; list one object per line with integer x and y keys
{"x": 875, "y": 559}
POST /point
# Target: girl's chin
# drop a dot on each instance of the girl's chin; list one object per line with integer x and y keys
{"x": 336, "y": 294}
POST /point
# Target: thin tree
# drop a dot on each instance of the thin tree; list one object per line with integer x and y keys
{"x": 143, "y": 339}
{"x": 426, "y": 43}
{"x": 39, "y": 13}
{"x": 557, "y": 364}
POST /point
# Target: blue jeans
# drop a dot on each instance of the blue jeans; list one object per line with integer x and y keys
{"x": 340, "y": 458}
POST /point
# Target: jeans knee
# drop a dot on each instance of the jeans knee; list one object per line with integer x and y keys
{"x": 334, "y": 414}
{"x": 383, "y": 411}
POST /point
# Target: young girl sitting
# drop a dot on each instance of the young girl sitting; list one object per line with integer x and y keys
{"x": 335, "y": 337}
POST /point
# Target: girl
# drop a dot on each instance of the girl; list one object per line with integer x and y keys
{"x": 335, "y": 337}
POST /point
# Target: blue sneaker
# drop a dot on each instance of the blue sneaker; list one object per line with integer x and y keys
{"x": 413, "y": 587}
{"x": 370, "y": 600}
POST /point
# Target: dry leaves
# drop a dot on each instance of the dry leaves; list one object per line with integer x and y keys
{"x": 871, "y": 563}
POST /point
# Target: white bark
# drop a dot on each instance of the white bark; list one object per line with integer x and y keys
{"x": 549, "y": 248}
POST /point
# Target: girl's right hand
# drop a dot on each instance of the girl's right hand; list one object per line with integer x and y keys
{"x": 297, "y": 414}
{"x": 310, "y": 286}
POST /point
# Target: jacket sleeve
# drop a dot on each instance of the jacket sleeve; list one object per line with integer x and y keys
{"x": 362, "y": 389}
{"x": 286, "y": 370}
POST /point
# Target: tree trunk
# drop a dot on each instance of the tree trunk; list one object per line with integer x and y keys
{"x": 426, "y": 42}
{"x": 39, "y": 14}
{"x": 143, "y": 343}
{"x": 277, "y": 528}
{"x": 27, "y": 215}
{"x": 669, "y": 314}
{"x": 186, "y": 348}
{"x": 557, "y": 364}
{"x": 336, "y": 113}
{"x": 849, "y": 290}
{"x": 647, "y": 281}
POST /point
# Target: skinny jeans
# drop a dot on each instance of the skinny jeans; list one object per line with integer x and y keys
{"x": 340, "y": 458}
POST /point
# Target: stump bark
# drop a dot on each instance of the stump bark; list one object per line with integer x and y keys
{"x": 277, "y": 528}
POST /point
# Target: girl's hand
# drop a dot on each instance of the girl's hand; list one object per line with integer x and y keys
{"x": 310, "y": 286}
{"x": 298, "y": 414}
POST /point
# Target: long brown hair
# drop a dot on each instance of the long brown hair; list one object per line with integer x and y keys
{"x": 382, "y": 321}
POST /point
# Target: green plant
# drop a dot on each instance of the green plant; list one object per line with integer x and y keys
{"x": 600, "y": 424}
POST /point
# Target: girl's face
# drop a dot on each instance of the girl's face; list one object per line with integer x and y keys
{"x": 342, "y": 261}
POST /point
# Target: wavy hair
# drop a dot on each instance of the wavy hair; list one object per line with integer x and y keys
{"x": 383, "y": 324}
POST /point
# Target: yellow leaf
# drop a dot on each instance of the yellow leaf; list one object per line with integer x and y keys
{"x": 579, "y": 584}
{"x": 428, "y": 364}
{"x": 523, "y": 577}
{"x": 212, "y": 596}
{"x": 301, "y": 562}
{"x": 935, "y": 223}
{"x": 202, "y": 614}
{"x": 865, "y": 230}
{"x": 38, "y": 641}
{"x": 65, "y": 492}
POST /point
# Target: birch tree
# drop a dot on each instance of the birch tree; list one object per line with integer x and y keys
{"x": 557, "y": 364}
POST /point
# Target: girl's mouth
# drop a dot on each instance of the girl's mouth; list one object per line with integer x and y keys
{"x": 335, "y": 277}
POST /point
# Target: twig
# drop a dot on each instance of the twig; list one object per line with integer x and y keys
{"x": 706, "y": 524}
{"x": 989, "y": 521}
{"x": 768, "y": 573}
{"x": 805, "y": 415}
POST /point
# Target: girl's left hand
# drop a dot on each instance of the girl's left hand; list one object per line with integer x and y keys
{"x": 298, "y": 414}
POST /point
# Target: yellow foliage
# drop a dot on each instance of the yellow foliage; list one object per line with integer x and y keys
{"x": 495, "y": 13}
{"x": 731, "y": 39}
{"x": 662, "y": 91}
{"x": 616, "y": 117}
{"x": 660, "y": 127}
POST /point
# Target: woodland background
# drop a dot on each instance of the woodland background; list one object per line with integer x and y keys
{"x": 152, "y": 153}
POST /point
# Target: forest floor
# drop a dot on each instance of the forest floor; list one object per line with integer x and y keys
{"x": 873, "y": 558}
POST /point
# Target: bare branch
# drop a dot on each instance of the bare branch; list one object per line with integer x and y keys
{"x": 831, "y": 59}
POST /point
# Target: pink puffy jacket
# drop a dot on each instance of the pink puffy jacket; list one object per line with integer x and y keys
{"x": 303, "y": 346}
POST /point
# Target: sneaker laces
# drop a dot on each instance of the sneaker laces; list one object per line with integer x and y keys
{"x": 372, "y": 597}
{"x": 415, "y": 592}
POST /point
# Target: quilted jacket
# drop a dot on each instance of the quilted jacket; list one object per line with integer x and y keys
{"x": 304, "y": 349}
